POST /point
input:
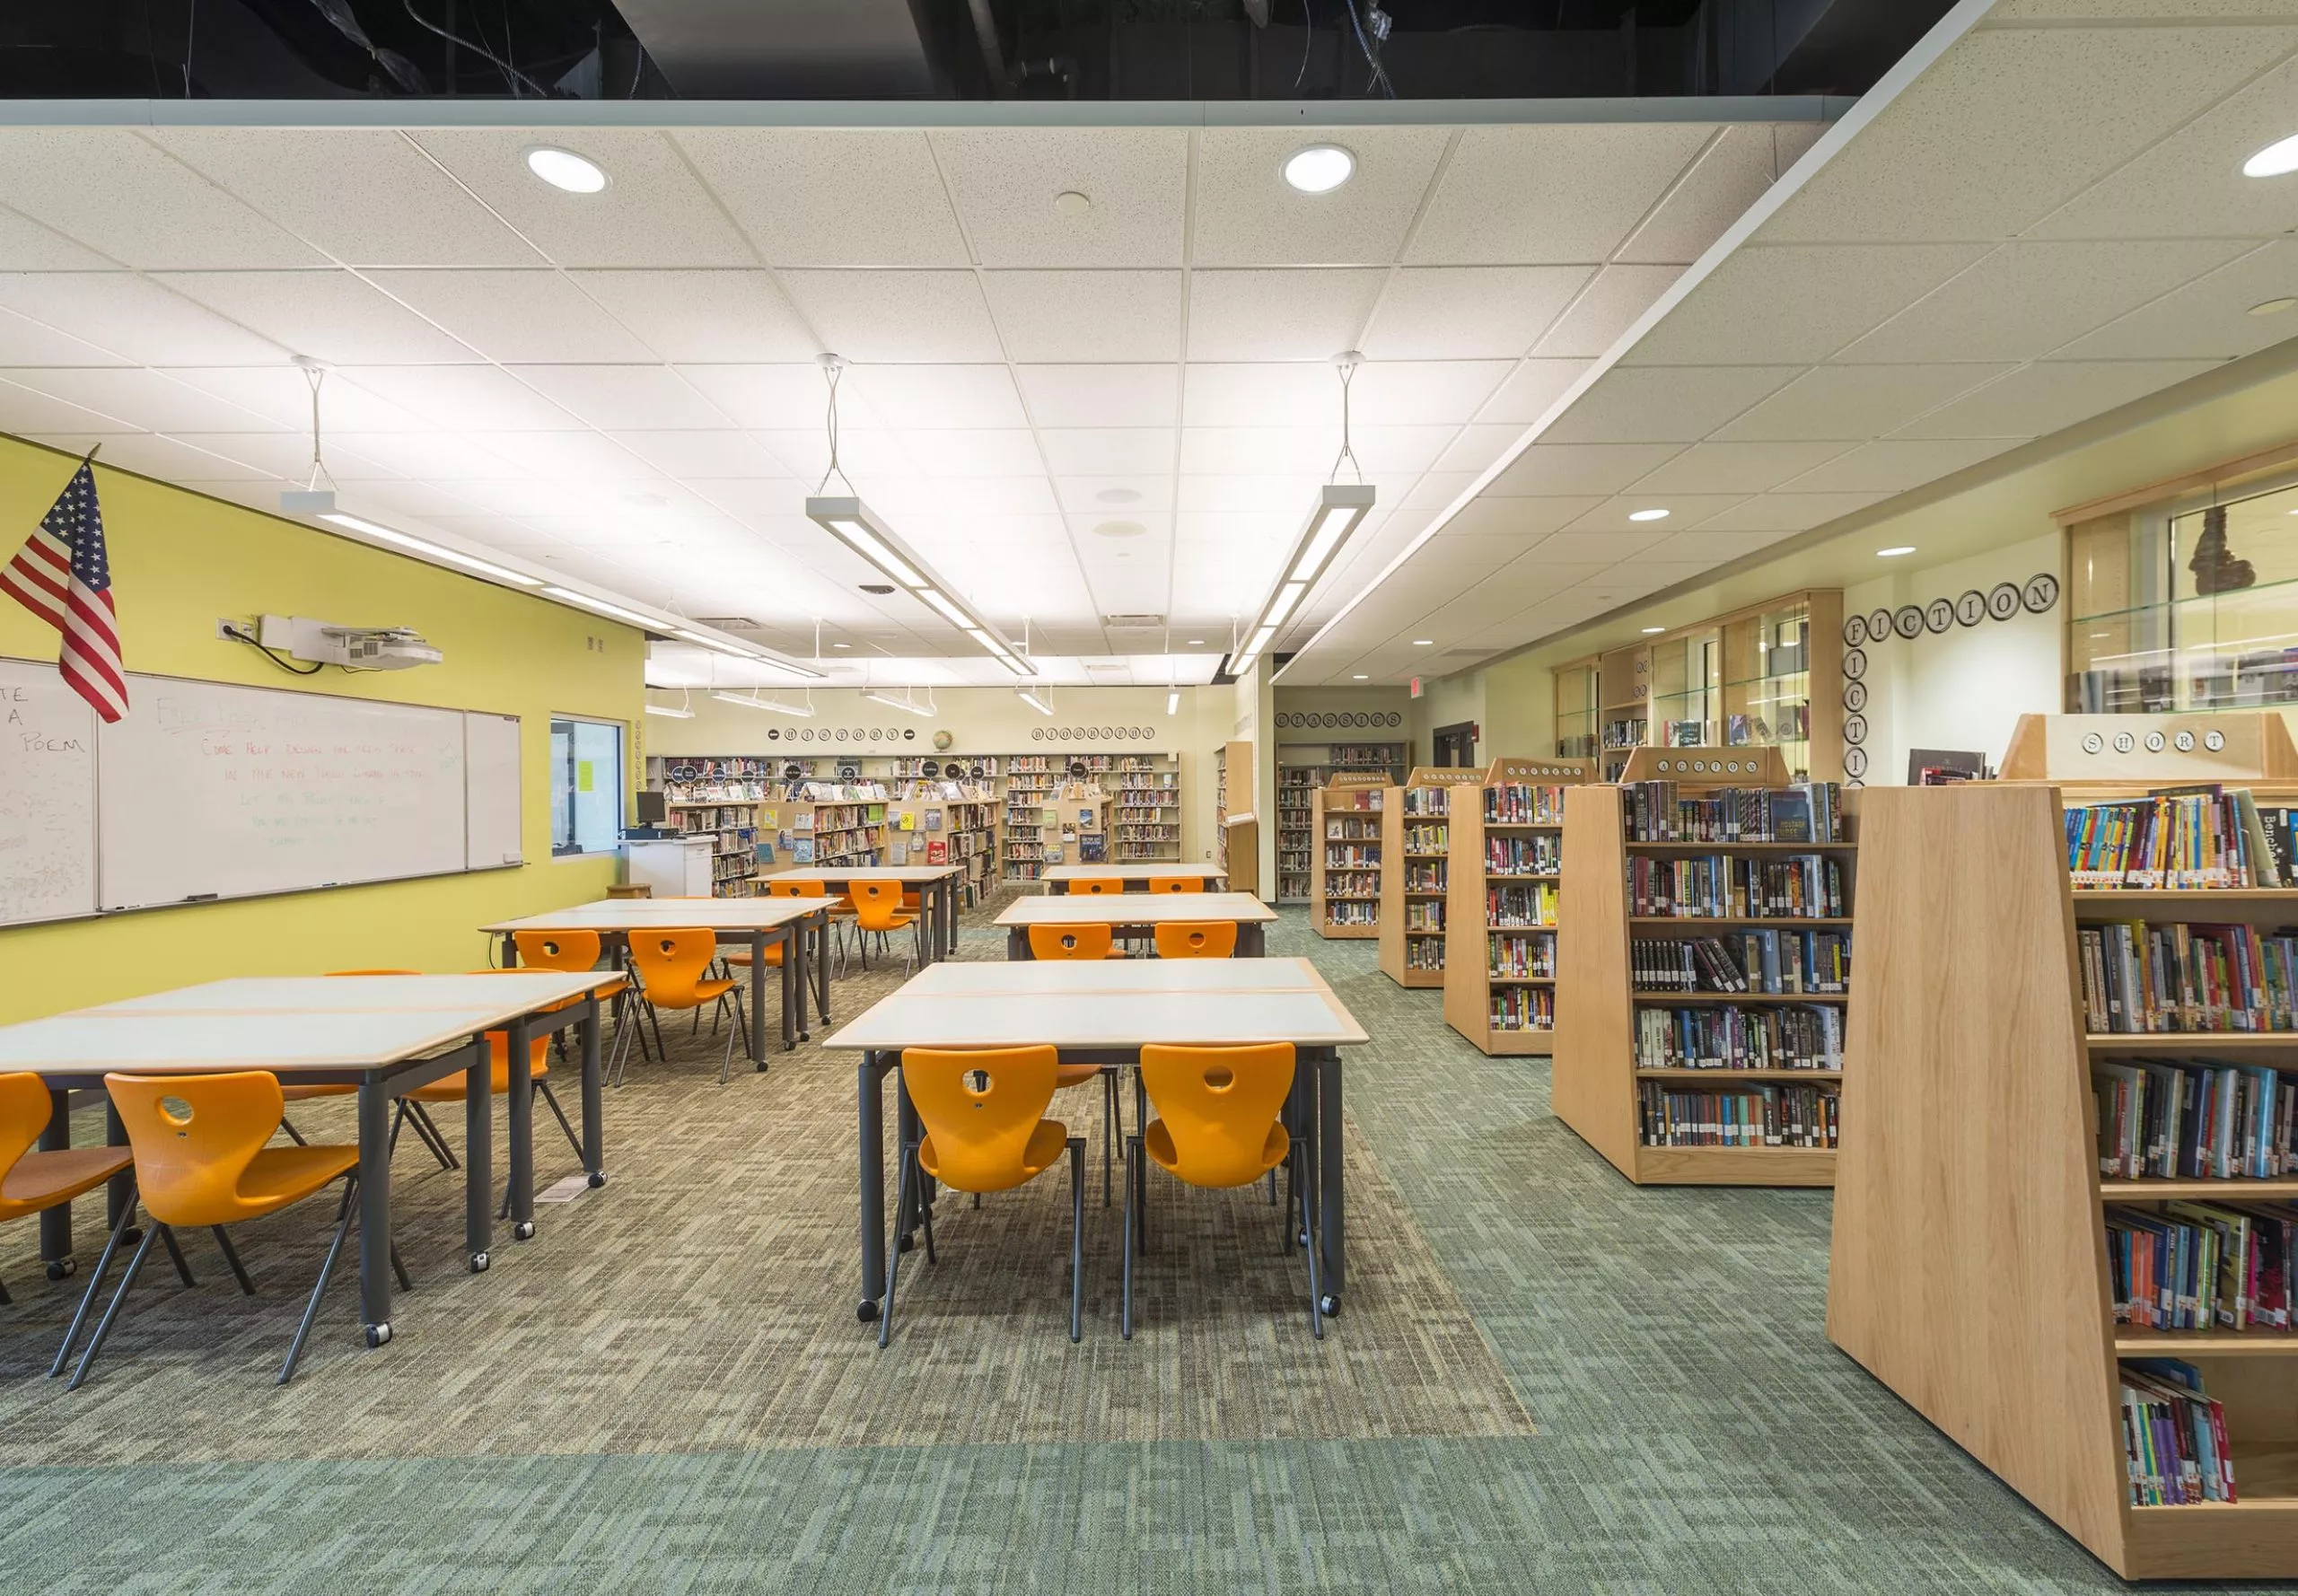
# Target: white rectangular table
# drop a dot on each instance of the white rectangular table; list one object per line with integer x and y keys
{"x": 758, "y": 922}
{"x": 1105, "y": 1014}
{"x": 385, "y": 1035}
{"x": 1136, "y": 875}
{"x": 936, "y": 886}
{"x": 1137, "y": 912}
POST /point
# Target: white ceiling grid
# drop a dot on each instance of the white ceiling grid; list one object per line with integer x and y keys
{"x": 2045, "y": 221}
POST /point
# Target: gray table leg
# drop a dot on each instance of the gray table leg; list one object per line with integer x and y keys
{"x": 120, "y": 1191}
{"x": 1017, "y": 943}
{"x": 950, "y": 908}
{"x": 818, "y": 963}
{"x": 794, "y": 954}
{"x": 375, "y": 1206}
{"x": 870, "y": 1083}
{"x": 793, "y": 1024}
{"x": 594, "y": 1130}
{"x": 522, "y": 1133}
{"x": 1328, "y": 1179}
{"x": 479, "y": 1159}
{"x": 758, "y": 1002}
{"x": 510, "y": 950}
{"x": 1251, "y": 941}
{"x": 56, "y": 1224}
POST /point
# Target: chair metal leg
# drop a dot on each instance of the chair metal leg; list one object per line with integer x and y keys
{"x": 294, "y": 1135}
{"x": 95, "y": 1282}
{"x": 1316, "y": 1283}
{"x": 5, "y": 1300}
{"x": 399, "y": 1267}
{"x": 926, "y": 1218}
{"x": 1132, "y": 1181}
{"x": 739, "y": 1029}
{"x": 654, "y": 1022}
{"x": 183, "y": 1265}
{"x": 1076, "y": 1238}
{"x": 893, "y": 1252}
{"x": 426, "y": 1131}
{"x": 1272, "y": 1188}
{"x": 327, "y": 1267}
{"x": 232, "y": 1257}
{"x": 152, "y": 1232}
{"x": 1109, "y": 1130}
{"x": 551, "y": 1099}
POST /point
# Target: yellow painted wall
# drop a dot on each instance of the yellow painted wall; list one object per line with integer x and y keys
{"x": 179, "y": 561}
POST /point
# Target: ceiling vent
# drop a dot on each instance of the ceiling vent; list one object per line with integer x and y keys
{"x": 727, "y": 623}
{"x": 1132, "y": 623}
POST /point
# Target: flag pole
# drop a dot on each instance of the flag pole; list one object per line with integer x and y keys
{"x": 89, "y": 458}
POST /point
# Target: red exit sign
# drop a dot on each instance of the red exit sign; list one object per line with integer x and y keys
{"x": 1415, "y": 687}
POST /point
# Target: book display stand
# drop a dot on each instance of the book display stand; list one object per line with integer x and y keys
{"x": 1506, "y": 838}
{"x": 1416, "y": 861}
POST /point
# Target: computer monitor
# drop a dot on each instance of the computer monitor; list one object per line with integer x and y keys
{"x": 651, "y": 809}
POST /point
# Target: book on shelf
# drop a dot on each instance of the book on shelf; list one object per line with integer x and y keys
{"x": 2174, "y": 1435}
{"x": 1506, "y": 854}
{"x": 1804, "y": 811}
{"x": 2194, "y": 1120}
{"x": 1773, "y": 963}
{"x": 2179, "y": 838}
{"x": 1726, "y": 886}
{"x": 2202, "y": 1266}
{"x": 2179, "y": 977}
{"x": 1772, "y": 1115}
{"x": 1520, "y": 905}
{"x": 1517, "y": 956}
{"x": 1521, "y": 1008}
{"x": 1728, "y": 1038}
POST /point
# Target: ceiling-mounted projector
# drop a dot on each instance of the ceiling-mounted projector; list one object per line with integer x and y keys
{"x": 354, "y": 648}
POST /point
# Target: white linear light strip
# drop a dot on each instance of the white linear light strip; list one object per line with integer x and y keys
{"x": 1340, "y": 509}
{"x": 774, "y": 706}
{"x": 1943, "y": 34}
{"x": 850, "y": 521}
{"x": 900, "y": 701}
{"x": 428, "y": 549}
{"x": 1042, "y": 705}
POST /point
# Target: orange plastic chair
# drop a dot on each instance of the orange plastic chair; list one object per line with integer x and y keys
{"x": 672, "y": 967}
{"x": 454, "y": 1088}
{"x": 1074, "y": 942}
{"x": 1096, "y": 886}
{"x": 200, "y": 1159}
{"x": 982, "y": 1122}
{"x": 841, "y": 911}
{"x": 877, "y": 908}
{"x": 32, "y": 1181}
{"x": 1219, "y": 1124}
{"x": 1197, "y": 939}
{"x": 1177, "y": 884}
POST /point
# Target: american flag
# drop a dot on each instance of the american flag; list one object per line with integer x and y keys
{"x": 62, "y": 576}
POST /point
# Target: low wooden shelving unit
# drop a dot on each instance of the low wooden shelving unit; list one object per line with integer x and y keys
{"x": 1345, "y": 870}
{"x": 1415, "y": 860}
{"x": 1597, "y": 1085}
{"x": 1517, "y": 809}
{"x": 1970, "y": 1269}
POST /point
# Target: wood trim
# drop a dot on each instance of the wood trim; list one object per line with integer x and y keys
{"x": 1592, "y": 1083}
{"x": 2226, "y": 473}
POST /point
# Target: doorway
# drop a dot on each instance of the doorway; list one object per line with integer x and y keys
{"x": 1456, "y": 744}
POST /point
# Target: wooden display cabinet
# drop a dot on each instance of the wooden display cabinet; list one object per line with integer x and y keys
{"x": 1345, "y": 870}
{"x": 1473, "y": 989}
{"x": 1416, "y": 859}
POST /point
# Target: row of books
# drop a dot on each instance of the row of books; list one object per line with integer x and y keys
{"x": 1424, "y": 878}
{"x": 1729, "y": 1037}
{"x": 1423, "y": 837}
{"x": 1536, "y": 854}
{"x": 1426, "y": 801}
{"x": 1343, "y": 911}
{"x": 1352, "y": 831}
{"x": 1424, "y": 953}
{"x": 2194, "y": 1120}
{"x": 1519, "y": 904}
{"x": 1425, "y": 914}
{"x": 2177, "y": 976}
{"x": 1771, "y": 1116}
{"x": 2201, "y": 1265}
{"x": 1724, "y": 886}
{"x": 1351, "y": 856}
{"x": 1521, "y": 1008}
{"x": 1776, "y": 963}
{"x": 1660, "y": 811}
{"x": 1519, "y": 804}
{"x": 2179, "y": 838}
{"x": 2173, "y": 1436}
{"x": 1516, "y": 957}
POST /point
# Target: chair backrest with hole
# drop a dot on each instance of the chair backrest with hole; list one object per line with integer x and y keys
{"x": 1218, "y": 1104}
{"x": 1197, "y": 939}
{"x": 672, "y": 963}
{"x": 193, "y": 1138}
{"x": 24, "y": 1109}
{"x": 877, "y": 905}
{"x": 778, "y": 888}
{"x": 1096, "y": 886}
{"x": 980, "y": 1108}
{"x": 571, "y": 951}
{"x": 1177, "y": 884}
{"x": 1071, "y": 942}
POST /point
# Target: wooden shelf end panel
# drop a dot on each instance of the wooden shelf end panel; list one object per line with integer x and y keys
{"x": 1591, "y": 1087}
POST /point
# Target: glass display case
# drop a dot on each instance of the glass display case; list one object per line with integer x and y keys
{"x": 1576, "y": 708}
{"x": 1766, "y": 693}
{"x": 1687, "y": 688}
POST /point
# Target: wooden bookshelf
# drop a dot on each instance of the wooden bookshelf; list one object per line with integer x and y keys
{"x": 1415, "y": 860}
{"x": 959, "y": 819}
{"x": 1471, "y": 990}
{"x": 1596, "y": 1083}
{"x": 1969, "y": 1269}
{"x": 1296, "y": 833}
{"x": 835, "y": 824}
{"x": 1344, "y": 872}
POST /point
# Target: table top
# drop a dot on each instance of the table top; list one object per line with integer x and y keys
{"x": 1035, "y": 978}
{"x": 1134, "y": 1001}
{"x": 284, "y": 1023}
{"x": 867, "y": 872}
{"x": 1134, "y": 908}
{"x": 1134, "y": 873}
{"x": 648, "y": 913}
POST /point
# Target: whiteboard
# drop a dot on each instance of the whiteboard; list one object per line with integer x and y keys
{"x": 48, "y": 789}
{"x": 491, "y": 818}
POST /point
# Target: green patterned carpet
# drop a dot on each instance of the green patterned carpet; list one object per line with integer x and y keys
{"x": 666, "y": 1390}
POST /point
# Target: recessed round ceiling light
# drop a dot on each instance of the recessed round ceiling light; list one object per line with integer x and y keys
{"x": 1199, "y": 642}
{"x": 1647, "y": 516}
{"x": 1894, "y": 552}
{"x": 1654, "y": 631}
{"x": 2275, "y": 159}
{"x": 1070, "y": 203}
{"x": 1320, "y": 169}
{"x": 564, "y": 168}
{"x": 1120, "y": 529}
{"x": 841, "y": 645}
{"x": 2272, "y": 307}
{"x": 1360, "y": 676}
{"x": 1424, "y": 643}
{"x": 1119, "y": 496}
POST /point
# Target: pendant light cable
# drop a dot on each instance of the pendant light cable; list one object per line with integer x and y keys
{"x": 833, "y": 367}
{"x": 1346, "y": 365}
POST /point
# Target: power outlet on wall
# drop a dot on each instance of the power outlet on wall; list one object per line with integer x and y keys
{"x": 227, "y": 626}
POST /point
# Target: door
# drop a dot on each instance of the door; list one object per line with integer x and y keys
{"x": 1456, "y": 745}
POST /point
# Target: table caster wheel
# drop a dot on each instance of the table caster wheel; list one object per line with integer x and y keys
{"x": 598, "y": 1180}
{"x": 1329, "y": 1305}
{"x": 59, "y": 1268}
{"x": 907, "y": 1243}
{"x": 478, "y": 1262}
{"x": 761, "y": 1068}
{"x": 377, "y": 1334}
{"x": 524, "y": 1230}
{"x": 867, "y": 1313}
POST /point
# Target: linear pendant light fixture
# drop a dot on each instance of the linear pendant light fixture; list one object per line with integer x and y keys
{"x": 901, "y": 701}
{"x": 804, "y": 712}
{"x": 1042, "y": 705}
{"x": 1339, "y": 510}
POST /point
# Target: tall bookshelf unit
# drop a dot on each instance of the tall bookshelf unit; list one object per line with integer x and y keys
{"x": 1506, "y": 838}
{"x": 839, "y": 823}
{"x": 1415, "y": 861}
{"x": 1297, "y": 830}
{"x": 1145, "y": 796}
{"x": 719, "y": 795}
{"x": 1968, "y": 1271}
{"x": 1598, "y": 1088}
{"x": 1344, "y": 873}
{"x": 949, "y": 822}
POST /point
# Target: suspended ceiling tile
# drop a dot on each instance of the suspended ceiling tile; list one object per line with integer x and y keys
{"x": 1606, "y": 310}
{"x": 930, "y": 396}
{"x": 1684, "y": 511}
{"x": 1854, "y": 403}
{"x": 1665, "y": 404}
{"x": 2027, "y": 299}
{"x": 1247, "y": 214}
{"x": 810, "y": 197}
{"x": 1493, "y": 515}
{"x": 653, "y": 212}
{"x": 117, "y": 194}
{"x": 1467, "y": 313}
{"x": 1475, "y": 447}
{"x": 948, "y": 452}
{"x": 1701, "y": 550}
{"x": 1436, "y": 490}
{"x": 566, "y": 456}
{"x": 383, "y": 498}
{"x": 1583, "y": 549}
{"x": 896, "y": 316}
{"x": 2210, "y": 316}
{"x": 1249, "y": 451}
{"x": 1976, "y": 148}
{"x": 1061, "y": 396}
{"x": 1733, "y": 172}
{"x": 432, "y": 457}
{"x": 149, "y": 400}
{"x": 763, "y": 502}
{"x": 1554, "y": 468}
{"x": 1284, "y": 497}
{"x": 281, "y": 396}
{"x": 148, "y": 320}
{"x": 1530, "y": 389}
{"x": 367, "y": 197}
{"x": 1554, "y": 192}
{"x": 25, "y": 411}
{"x": 979, "y": 497}
{"x": 2039, "y": 399}
{"x": 1097, "y": 316}
{"x": 153, "y": 455}
{"x": 1004, "y": 181}
{"x": 867, "y": 454}
{"x": 716, "y": 316}
{"x": 456, "y": 398}
{"x": 25, "y": 342}
{"x": 515, "y": 316}
{"x": 1279, "y": 315}
{"x": 689, "y": 454}
{"x": 1800, "y": 304}
{"x": 1268, "y": 393}
{"x": 780, "y": 397}
{"x": 1128, "y": 451}
{"x": 1736, "y": 468}
{"x": 623, "y": 397}
{"x": 27, "y": 246}
{"x": 1896, "y": 465}
{"x": 1137, "y": 495}
{"x": 1414, "y": 392}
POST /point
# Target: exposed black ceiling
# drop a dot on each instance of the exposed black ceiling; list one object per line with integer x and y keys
{"x": 1085, "y": 49}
